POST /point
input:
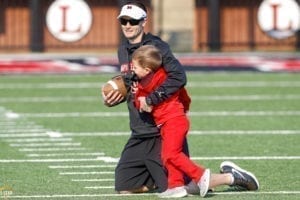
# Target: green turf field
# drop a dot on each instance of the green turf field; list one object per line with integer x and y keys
{"x": 59, "y": 142}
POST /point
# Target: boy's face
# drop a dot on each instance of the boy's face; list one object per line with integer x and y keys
{"x": 140, "y": 71}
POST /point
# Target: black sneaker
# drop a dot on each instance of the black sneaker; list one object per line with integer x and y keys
{"x": 242, "y": 178}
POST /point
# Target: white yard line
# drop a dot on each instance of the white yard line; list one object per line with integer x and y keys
{"x": 245, "y": 113}
{"x": 125, "y": 114}
{"x": 246, "y": 97}
{"x": 23, "y": 140}
{"x": 65, "y": 154}
{"x": 248, "y": 158}
{"x": 74, "y": 85}
{"x": 4, "y": 121}
{"x": 75, "y": 114}
{"x": 72, "y": 196}
{"x": 92, "y": 134}
{"x": 45, "y": 137}
{"x": 80, "y": 166}
{"x": 245, "y": 132}
{"x": 49, "y": 160}
{"x": 259, "y": 193}
{"x": 209, "y": 84}
{"x": 45, "y": 144}
{"x": 99, "y": 187}
{"x": 20, "y": 130}
{"x": 21, "y": 126}
{"x": 24, "y": 135}
{"x": 54, "y": 134}
{"x": 194, "y": 97}
{"x": 193, "y": 158}
{"x": 48, "y": 99}
{"x": 86, "y": 173}
{"x": 94, "y": 180}
{"x": 244, "y": 84}
{"x": 52, "y": 149}
{"x": 195, "y": 132}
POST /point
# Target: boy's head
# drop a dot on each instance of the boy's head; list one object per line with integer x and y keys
{"x": 146, "y": 59}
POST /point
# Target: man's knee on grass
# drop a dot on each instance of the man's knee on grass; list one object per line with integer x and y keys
{"x": 143, "y": 189}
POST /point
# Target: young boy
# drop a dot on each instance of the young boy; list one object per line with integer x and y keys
{"x": 170, "y": 117}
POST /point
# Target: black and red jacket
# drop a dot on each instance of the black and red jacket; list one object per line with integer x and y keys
{"x": 176, "y": 105}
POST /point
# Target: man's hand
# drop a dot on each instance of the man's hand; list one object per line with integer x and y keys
{"x": 144, "y": 107}
{"x": 112, "y": 98}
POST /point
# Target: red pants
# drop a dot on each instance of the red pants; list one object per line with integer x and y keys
{"x": 173, "y": 133}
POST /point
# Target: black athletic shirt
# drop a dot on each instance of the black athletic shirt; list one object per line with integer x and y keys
{"x": 142, "y": 124}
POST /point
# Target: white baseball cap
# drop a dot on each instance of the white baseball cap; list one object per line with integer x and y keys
{"x": 133, "y": 12}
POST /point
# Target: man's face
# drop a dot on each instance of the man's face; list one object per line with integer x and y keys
{"x": 132, "y": 29}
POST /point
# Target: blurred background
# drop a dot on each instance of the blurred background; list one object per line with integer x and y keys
{"x": 262, "y": 30}
{"x": 59, "y": 141}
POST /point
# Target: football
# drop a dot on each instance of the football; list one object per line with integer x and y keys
{"x": 115, "y": 83}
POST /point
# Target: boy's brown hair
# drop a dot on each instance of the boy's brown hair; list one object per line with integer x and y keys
{"x": 148, "y": 56}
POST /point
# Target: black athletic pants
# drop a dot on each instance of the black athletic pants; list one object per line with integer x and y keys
{"x": 140, "y": 165}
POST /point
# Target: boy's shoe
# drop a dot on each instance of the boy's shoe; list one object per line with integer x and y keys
{"x": 176, "y": 192}
{"x": 203, "y": 184}
{"x": 242, "y": 178}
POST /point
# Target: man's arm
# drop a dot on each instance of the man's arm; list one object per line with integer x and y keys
{"x": 114, "y": 98}
{"x": 176, "y": 77}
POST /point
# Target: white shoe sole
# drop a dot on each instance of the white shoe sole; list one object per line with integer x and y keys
{"x": 181, "y": 194}
{"x": 231, "y": 164}
{"x": 204, "y": 183}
